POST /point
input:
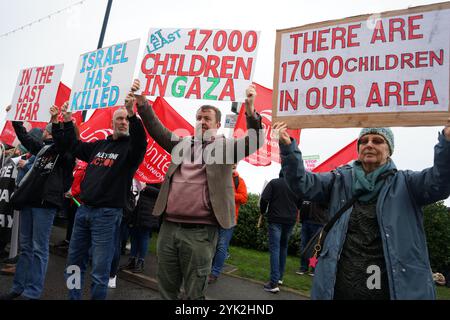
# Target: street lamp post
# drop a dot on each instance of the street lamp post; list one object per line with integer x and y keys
{"x": 102, "y": 36}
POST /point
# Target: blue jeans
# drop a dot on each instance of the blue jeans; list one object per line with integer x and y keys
{"x": 140, "y": 237}
{"x": 35, "y": 227}
{"x": 121, "y": 237}
{"x": 278, "y": 246}
{"x": 309, "y": 229}
{"x": 223, "y": 243}
{"x": 95, "y": 228}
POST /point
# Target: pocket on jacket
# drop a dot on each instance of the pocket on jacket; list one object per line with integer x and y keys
{"x": 413, "y": 282}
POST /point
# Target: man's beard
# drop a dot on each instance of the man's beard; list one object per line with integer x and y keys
{"x": 119, "y": 134}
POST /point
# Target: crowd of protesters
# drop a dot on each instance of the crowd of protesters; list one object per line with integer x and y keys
{"x": 195, "y": 209}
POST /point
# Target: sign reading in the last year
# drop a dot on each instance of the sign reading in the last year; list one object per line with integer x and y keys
{"x": 389, "y": 69}
{"x": 199, "y": 63}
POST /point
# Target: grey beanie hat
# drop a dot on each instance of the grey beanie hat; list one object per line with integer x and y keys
{"x": 386, "y": 133}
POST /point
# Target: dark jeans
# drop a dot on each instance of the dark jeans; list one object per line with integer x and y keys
{"x": 35, "y": 227}
{"x": 94, "y": 228}
{"x": 279, "y": 235}
{"x": 120, "y": 242}
{"x": 309, "y": 229}
{"x": 71, "y": 209}
{"x": 223, "y": 243}
{"x": 140, "y": 237}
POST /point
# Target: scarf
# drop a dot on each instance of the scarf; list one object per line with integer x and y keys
{"x": 366, "y": 184}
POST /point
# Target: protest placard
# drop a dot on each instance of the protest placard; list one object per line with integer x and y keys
{"x": 230, "y": 120}
{"x": 311, "y": 161}
{"x": 199, "y": 63}
{"x": 104, "y": 77}
{"x": 388, "y": 69}
{"x": 35, "y": 93}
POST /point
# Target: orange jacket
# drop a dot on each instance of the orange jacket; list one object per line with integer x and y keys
{"x": 240, "y": 193}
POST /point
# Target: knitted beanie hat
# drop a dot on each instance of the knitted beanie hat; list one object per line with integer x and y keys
{"x": 386, "y": 133}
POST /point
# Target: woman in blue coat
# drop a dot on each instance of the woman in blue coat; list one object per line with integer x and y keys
{"x": 377, "y": 249}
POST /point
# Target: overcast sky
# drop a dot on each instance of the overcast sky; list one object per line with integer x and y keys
{"x": 63, "y": 37}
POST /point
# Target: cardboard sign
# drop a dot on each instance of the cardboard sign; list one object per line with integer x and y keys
{"x": 230, "y": 120}
{"x": 104, "y": 77}
{"x": 389, "y": 69}
{"x": 35, "y": 93}
{"x": 199, "y": 63}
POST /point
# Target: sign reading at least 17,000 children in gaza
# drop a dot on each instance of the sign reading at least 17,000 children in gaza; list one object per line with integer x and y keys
{"x": 199, "y": 63}
{"x": 104, "y": 77}
{"x": 388, "y": 69}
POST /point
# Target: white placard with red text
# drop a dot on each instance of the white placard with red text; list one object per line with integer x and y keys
{"x": 199, "y": 63}
{"x": 35, "y": 93}
{"x": 394, "y": 64}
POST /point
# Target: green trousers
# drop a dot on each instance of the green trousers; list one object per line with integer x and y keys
{"x": 185, "y": 258}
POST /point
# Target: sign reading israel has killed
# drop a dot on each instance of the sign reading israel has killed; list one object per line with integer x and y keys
{"x": 104, "y": 77}
{"x": 388, "y": 69}
{"x": 35, "y": 93}
{"x": 199, "y": 63}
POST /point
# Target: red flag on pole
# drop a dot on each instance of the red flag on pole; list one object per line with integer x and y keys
{"x": 270, "y": 150}
{"x": 157, "y": 160}
{"x": 62, "y": 96}
{"x": 343, "y": 156}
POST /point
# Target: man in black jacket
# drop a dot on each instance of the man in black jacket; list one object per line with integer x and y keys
{"x": 39, "y": 196}
{"x": 112, "y": 164}
{"x": 282, "y": 207}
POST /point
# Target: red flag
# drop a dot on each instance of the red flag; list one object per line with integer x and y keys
{"x": 99, "y": 125}
{"x": 343, "y": 156}
{"x": 270, "y": 150}
{"x": 62, "y": 96}
{"x": 156, "y": 159}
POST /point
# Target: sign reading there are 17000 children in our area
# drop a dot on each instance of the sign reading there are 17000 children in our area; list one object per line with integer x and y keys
{"x": 388, "y": 69}
{"x": 104, "y": 77}
{"x": 199, "y": 63}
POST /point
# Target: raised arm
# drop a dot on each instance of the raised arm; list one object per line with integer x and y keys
{"x": 309, "y": 186}
{"x": 163, "y": 136}
{"x": 57, "y": 131}
{"x": 25, "y": 139}
{"x": 255, "y": 137}
{"x": 81, "y": 150}
{"x": 433, "y": 184}
{"x": 138, "y": 138}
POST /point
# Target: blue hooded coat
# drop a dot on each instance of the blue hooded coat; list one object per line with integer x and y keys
{"x": 399, "y": 214}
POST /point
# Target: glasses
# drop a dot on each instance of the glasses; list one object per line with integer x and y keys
{"x": 375, "y": 140}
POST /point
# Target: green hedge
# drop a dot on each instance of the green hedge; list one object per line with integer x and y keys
{"x": 247, "y": 235}
{"x": 436, "y": 223}
{"x": 437, "y": 228}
